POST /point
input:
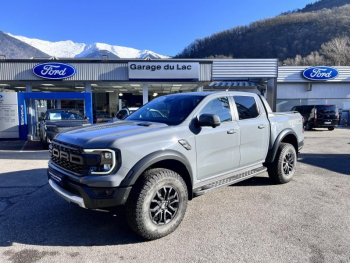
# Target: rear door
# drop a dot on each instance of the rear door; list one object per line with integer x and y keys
{"x": 218, "y": 148}
{"x": 254, "y": 129}
{"x": 327, "y": 115}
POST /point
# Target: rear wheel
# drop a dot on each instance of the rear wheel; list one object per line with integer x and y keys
{"x": 282, "y": 169}
{"x": 157, "y": 203}
{"x": 308, "y": 126}
{"x": 330, "y": 128}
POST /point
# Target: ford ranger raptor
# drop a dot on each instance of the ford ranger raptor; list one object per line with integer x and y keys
{"x": 171, "y": 150}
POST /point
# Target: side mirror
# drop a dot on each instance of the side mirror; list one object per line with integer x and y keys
{"x": 210, "y": 120}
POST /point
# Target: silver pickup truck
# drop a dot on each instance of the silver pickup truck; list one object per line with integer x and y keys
{"x": 172, "y": 149}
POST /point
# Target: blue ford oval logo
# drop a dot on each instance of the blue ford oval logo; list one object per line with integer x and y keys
{"x": 1, "y": 96}
{"x": 320, "y": 73}
{"x": 53, "y": 70}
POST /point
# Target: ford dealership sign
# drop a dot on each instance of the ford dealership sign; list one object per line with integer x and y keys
{"x": 320, "y": 73}
{"x": 53, "y": 70}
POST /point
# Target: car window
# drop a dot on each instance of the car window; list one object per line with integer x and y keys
{"x": 307, "y": 109}
{"x": 220, "y": 107}
{"x": 327, "y": 108}
{"x": 64, "y": 115}
{"x": 171, "y": 109}
{"x": 246, "y": 107}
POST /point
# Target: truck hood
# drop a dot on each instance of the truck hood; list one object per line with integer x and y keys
{"x": 102, "y": 135}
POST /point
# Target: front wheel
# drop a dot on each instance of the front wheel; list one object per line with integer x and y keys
{"x": 282, "y": 169}
{"x": 330, "y": 128}
{"x": 157, "y": 203}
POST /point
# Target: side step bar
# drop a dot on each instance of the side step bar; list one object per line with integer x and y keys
{"x": 230, "y": 179}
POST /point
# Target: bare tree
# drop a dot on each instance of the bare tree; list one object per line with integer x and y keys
{"x": 314, "y": 59}
{"x": 337, "y": 50}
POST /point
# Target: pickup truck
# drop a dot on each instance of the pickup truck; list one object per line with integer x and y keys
{"x": 172, "y": 149}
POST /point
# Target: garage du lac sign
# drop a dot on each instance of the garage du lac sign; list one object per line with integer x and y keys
{"x": 54, "y": 70}
{"x": 320, "y": 73}
{"x": 160, "y": 71}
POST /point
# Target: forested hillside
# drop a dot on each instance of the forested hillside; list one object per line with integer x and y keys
{"x": 295, "y": 38}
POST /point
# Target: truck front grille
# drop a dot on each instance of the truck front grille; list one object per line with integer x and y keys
{"x": 61, "y": 156}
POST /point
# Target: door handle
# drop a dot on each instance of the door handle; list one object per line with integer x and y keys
{"x": 261, "y": 126}
{"x": 231, "y": 131}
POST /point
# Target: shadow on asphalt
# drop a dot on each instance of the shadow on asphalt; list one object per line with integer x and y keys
{"x": 338, "y": 163}
{"x": 34, "y": 215}
{"x": 255, "y": 181}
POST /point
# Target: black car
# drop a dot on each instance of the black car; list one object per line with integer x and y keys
{"x": 319, "y": 116}
{"x": 56, "y": 121}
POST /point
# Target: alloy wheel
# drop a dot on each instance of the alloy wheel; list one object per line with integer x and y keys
{"x": 288, "y": 163}
{"x": 164, "y": 205}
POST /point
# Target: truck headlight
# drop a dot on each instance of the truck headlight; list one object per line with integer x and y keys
{"x": 108, "y": 161}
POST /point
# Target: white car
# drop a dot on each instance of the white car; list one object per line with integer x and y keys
{"x": 125, "y": 112}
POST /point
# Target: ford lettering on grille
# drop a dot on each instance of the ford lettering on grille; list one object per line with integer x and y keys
{"x": 69, "y": 157}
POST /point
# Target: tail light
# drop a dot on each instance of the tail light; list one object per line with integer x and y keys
{"x": 315, "y": 115}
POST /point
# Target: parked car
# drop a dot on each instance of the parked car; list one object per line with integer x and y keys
{"x": 125, "y": 112}
{"x": 101, "y": 116}
{"x": 153, "y": 164}
{"x": 319, "y": 116}
{"x": 56, "y": 121}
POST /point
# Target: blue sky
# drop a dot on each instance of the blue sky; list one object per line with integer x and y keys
{"x": 163, "y": 26}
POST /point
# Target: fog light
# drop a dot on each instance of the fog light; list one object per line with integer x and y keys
{"x": 103, "y": 192}
{"x": 107, "y": 167}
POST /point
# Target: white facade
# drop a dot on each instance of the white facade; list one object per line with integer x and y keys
{"x": 293, "y": 89}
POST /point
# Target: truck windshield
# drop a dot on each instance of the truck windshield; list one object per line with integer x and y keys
{"x": 64, "y": 115}
{"x": 171, "y": 110}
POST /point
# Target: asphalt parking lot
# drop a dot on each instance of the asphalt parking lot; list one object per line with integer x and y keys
{"x": 307, "y": 220}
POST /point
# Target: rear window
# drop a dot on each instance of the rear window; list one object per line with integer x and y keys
{"x": 246, "y": 107}
{"x": 326, "y": 108}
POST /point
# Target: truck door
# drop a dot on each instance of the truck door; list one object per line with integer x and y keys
{"x": 255, "y": 130}
{"x": 218, "y": 148}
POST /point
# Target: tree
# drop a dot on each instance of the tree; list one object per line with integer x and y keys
{"x": 337, "y": 50}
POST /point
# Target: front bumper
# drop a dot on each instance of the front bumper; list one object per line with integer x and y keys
{"x": 85, "y": 196}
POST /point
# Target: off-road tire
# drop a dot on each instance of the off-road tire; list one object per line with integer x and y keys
{"x": 331, "y": 129}
{"x": 139, "y": 202}
{"x": 276, "y": 169}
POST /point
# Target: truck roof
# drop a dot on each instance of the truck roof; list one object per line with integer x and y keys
{"x": 207, "y": 93}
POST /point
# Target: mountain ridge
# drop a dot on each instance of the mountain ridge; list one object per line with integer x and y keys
{"x": 11, "y": 47}
{"x": 70, "y": 49}
{"x": 285, "y": 36}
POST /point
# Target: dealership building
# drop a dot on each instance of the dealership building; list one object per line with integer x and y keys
{"x": 101, "y": 87}
{"x": 294, "y": 88}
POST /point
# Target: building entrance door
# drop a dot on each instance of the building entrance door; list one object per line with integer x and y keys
{"x": 36, "y": 109}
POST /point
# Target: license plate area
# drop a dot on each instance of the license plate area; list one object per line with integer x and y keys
{"x": 57, "y": 178}
{"x": 327, "y": 122}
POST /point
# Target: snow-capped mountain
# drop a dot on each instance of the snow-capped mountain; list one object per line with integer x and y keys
{"x": 70, "y": 49}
